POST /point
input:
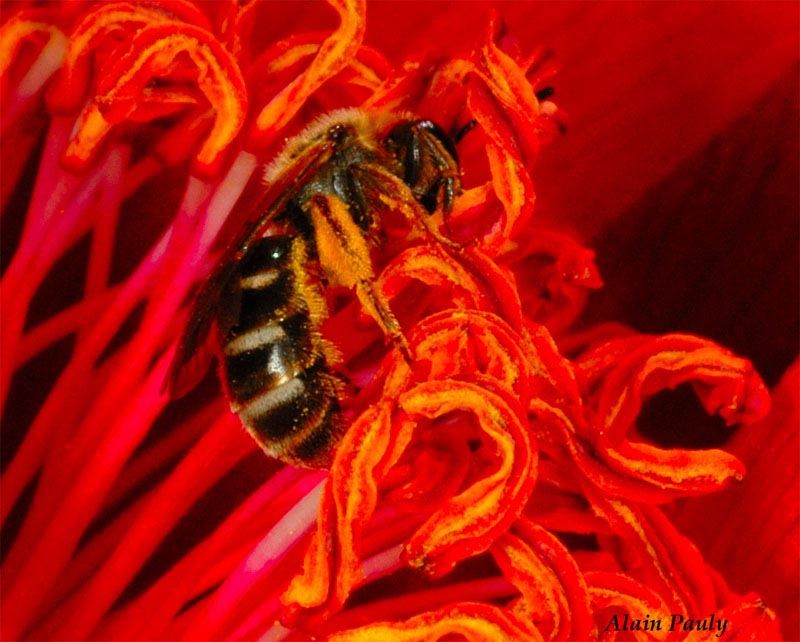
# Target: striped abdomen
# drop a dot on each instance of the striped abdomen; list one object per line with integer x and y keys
{"x": 275, "y": 368}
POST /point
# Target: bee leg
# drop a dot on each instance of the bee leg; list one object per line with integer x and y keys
{"x": 384, "y": 187}
{"x": 344, "y": 256}
{"x": 449, "y": 189}
{"x": 412, "y": 163}
{"x": 374, "y": 302}
{"x": 444, "y": 190}
{"x": 430, "y": 199}
{"x": 432, "y": 132}
{"x": 357, "y": 200}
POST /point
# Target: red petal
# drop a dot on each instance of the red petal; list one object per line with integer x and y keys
{"x": 750, "y": 532}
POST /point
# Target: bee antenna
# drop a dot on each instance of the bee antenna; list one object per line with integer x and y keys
{"x": 466, "y": 129}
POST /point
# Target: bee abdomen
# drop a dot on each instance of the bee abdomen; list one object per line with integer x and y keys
{"x": 267, "y": 355}
{"x": 297, "y": 419}
{"x": 274, "y": 365}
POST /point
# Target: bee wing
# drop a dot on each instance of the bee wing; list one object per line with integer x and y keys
{"x": 218, "y": 299}
{"x": 193, "y": 356}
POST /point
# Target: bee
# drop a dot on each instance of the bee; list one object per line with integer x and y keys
{"x": 322, "y": 206}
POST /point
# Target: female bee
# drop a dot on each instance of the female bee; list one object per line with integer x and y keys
{"x": 326, "y": 193}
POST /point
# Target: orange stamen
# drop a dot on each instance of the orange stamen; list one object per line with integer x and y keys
{"x": 153, "y": 55}
{"x": 21, "y": 28}
{"x": 334, "y": 54}
{"x": 469, "y": 522}
{"x": 475, "y": 622}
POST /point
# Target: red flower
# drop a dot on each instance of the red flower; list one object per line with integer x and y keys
{"x": 512, "y": 477}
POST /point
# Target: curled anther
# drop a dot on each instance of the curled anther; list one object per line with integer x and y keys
{"x": 146, "y": 70}
{"x": 334, "y": 54}
{"x": 103, "y": 32}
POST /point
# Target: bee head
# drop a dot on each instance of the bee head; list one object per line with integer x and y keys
{"x": 427, "y": 162}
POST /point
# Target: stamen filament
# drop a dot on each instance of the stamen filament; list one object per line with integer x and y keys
{"x": 237, "y": 536}
{"x": 63, "y": 324}
{"x": 212, "y": 457}
{"x": 62, "y": 531}
{"x": 270, "y": 551}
